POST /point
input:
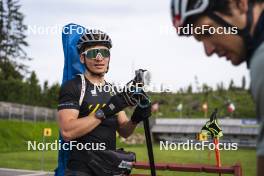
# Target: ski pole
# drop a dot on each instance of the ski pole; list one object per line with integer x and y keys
{"x": 149, "y": 147}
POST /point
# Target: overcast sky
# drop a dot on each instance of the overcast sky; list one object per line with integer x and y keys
{"x": 142, "y": 37}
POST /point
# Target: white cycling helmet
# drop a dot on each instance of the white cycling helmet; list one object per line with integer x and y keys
{"x": 94, "y": 37}
{"x": 181, "y": 10}
{"x": 185, "y": 12}
{"x": 91, "y": 38}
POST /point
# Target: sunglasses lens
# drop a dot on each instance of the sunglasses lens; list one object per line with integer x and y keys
{"x": 105, "y": 52}
{"x": 91, "y": 54}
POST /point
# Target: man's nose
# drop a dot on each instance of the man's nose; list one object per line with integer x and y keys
{"x": 209, "y": 48}
{"x": 99, "y": 57}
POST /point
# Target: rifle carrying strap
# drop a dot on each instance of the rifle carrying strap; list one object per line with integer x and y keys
{"x": 83, "y": 88}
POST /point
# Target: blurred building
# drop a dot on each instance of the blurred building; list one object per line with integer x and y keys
{"x": 241, "y": 131}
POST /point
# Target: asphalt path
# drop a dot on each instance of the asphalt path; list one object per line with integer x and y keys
{"x": 19, "y": 172}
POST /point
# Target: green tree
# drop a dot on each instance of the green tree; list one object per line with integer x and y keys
{"x": 189, "y": 89}
{"x": 206, "y": 91}
{"x": 34, "y": 90}
{"x": 220, "y": 88}
{"x": 53, "y": 96}
{"x": 243, "y": 86}
{"x": 12, "y": 42}
{"x": 3, "y": 32}
{"x": 14, "y": 85}
{"x": 206, "y": 88}
{"x": 231, "y": 85}
{"x": 7, "y": 70}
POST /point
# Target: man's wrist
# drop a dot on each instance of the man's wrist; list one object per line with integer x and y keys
{"x": 99, "y": 114}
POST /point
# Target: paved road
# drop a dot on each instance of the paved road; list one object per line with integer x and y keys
{"x": 19, "y": 172}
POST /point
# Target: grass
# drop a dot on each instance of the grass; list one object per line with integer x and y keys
{"x": 245, "y": 157}
{"x": 14, "y": 154}
{"x": 15, "y": 134}
{"x": 32, "y": 159}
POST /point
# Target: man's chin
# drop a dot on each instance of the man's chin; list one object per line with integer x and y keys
{"x": 99, "y": 72}
{"x": 236, "y": 61}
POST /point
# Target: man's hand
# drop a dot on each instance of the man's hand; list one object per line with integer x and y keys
{"x": 117, "y": 103}
{"x": 140, "y": 114}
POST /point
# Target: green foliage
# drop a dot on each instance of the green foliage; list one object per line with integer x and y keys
{"x": 29, "y": 92}
{"x": 192, "y": 103}
{"x": 15, "y": 134}
{"x": 13, "y": 90}
{"x": 51, "y": 96}
{"x": 12, "y": 30}
{"x": 231, "y": 85}
{"x": 14, "y": 85}
{"x": 8, "y": 70}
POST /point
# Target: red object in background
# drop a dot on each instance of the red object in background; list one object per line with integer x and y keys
{"x": 231, "y": 108}
{"x": 217, "y": 154}
{"x": 205, "y": 107}
{"x": 235, "y": 170}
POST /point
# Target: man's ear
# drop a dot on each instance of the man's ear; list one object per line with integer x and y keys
{"x": 82, "y": 58}
{"x": 242, "y": 6}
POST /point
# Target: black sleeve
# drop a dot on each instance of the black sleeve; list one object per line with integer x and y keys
{"x": 69, "y": 95}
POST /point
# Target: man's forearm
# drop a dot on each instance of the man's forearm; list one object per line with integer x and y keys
{"x": 78, "y": 127}
{"x": 127, "y": 129}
